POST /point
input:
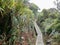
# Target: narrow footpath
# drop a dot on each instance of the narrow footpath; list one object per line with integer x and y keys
{"x": 39, "y": 40}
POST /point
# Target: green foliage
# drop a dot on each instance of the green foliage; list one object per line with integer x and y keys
{"x": 49, "y": 22}
{"x": 16, "y": 16}
{"x": 34, "y": 8}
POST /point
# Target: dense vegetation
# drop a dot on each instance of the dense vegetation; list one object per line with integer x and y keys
{"x": 49, "y": 22}
{"x": 16, "y": 23}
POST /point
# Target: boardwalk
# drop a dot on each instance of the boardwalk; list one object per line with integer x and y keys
{"x": 39, "y": 40}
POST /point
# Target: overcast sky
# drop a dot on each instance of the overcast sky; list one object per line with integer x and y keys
{"x": 44, "y": 4}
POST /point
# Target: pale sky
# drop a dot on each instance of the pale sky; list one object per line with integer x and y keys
{"x": 44, "y": 4}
